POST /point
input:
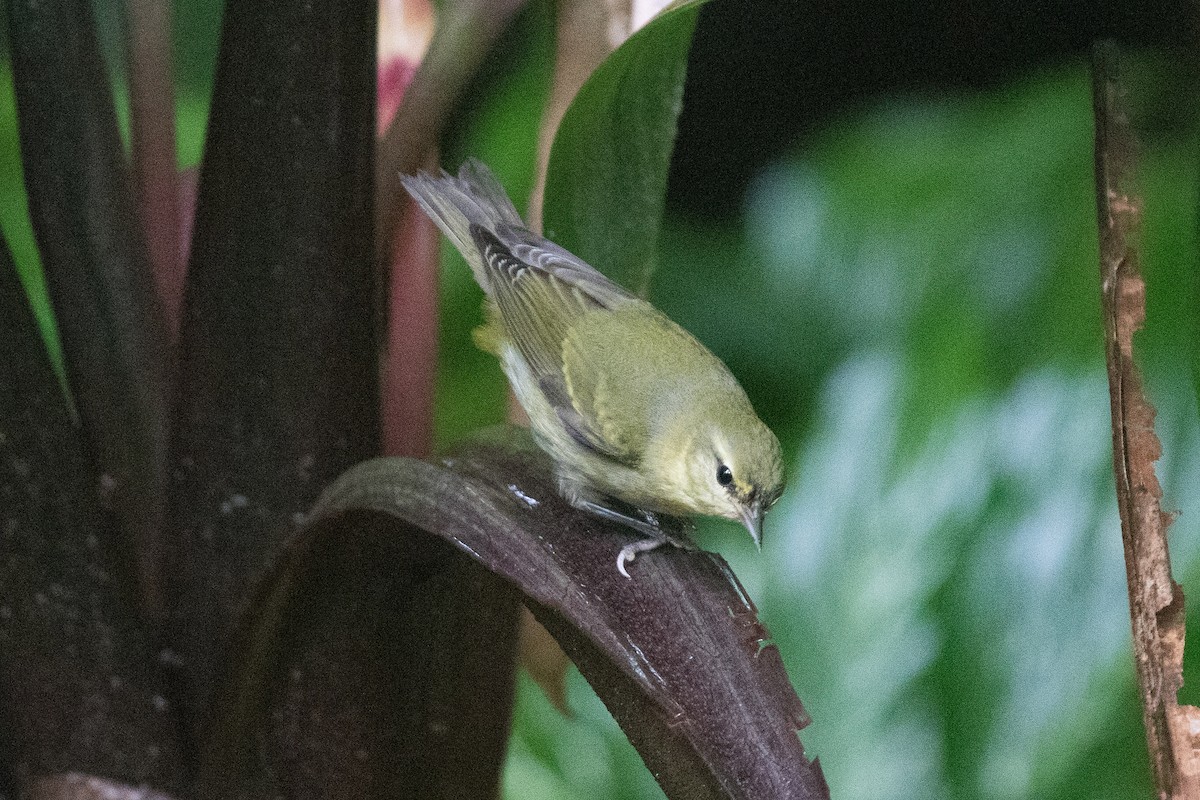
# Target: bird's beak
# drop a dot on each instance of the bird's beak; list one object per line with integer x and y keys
{"x": 752, "y": 518}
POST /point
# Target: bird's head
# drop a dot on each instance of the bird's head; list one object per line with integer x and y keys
{"x": 735, "y": 470}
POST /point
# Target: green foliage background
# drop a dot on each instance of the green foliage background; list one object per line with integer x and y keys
{"x": 911, "y": 300}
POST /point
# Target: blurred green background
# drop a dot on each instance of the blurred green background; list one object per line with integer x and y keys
{"x": 912, "y": 301}
{"x": 898, "y": 257}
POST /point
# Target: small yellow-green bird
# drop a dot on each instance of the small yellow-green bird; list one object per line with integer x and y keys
{"x": 638, "y": 417}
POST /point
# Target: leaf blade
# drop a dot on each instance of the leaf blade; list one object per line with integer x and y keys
{"x": 80, "y": 689}
{"x": 607, "y": 179}
{"x": 81, "y": 207}
{"x": 278, "y": 354}
{"x": 719, "y": 726}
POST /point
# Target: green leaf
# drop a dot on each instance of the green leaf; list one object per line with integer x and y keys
{"x": 608, "y": 167}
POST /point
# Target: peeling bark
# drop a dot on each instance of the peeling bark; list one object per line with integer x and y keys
{"x": 1156, "y": 603}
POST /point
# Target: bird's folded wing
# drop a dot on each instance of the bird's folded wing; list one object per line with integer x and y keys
{"x": 541, "y": 290}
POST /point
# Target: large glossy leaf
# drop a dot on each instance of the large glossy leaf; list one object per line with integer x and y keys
{"x": 95, "y": 264}
{"x": 677, "y": 652}
{"x": 415, "y": 699}
{"x": 607, "y": 179}
{"x": 79, "y": 687}
{"x": 278, "y": 390}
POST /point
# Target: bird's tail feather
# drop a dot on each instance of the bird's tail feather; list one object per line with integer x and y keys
{"x": 474, "y": 197}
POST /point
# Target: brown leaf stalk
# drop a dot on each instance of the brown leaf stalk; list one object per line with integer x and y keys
{"x": 1156, "y": 603}
{"x": 410, "y": 359}
{"x": 406, "y": 242}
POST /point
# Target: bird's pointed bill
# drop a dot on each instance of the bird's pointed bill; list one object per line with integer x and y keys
{"x": 752, "y": 518}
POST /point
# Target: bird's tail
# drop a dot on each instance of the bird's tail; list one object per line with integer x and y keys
{"x": 474, "y": 197}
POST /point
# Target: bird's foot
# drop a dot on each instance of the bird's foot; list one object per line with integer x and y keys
{"x": 658, "y": 538}
{"x": 645, "y": 523}
{"x": 631, "y": 551}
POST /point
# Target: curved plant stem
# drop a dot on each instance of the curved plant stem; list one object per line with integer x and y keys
{"x": 464, "y": 33}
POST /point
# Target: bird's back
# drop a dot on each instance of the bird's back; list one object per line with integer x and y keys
{"x": 630, "y": 370}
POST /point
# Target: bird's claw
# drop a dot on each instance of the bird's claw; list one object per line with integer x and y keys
{"x": 622, "y": 557}
{"x": 630, "y": 551}
{"x": 646, "y": 523}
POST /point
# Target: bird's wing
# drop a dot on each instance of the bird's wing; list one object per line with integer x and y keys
{"x": 541, "y": 290}
{"x": 559, "y": 264}
{"x": 457, "y": 203}
{"x": 611, "y": 424}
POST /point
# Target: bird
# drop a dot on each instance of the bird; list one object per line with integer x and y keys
{"x": 638, "y": 417}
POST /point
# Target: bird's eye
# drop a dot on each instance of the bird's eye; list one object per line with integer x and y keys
{"x": 724, "y": 476}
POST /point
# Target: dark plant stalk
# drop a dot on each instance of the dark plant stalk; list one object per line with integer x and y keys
{"x": 81, "y": 207}
{"x": 80, "y": 689}
{"x": 278, "y": 358}
{"x": 416, "y": 700}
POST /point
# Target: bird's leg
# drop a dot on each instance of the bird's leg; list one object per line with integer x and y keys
{"x": 682, "y": 543}
{"x": 648, "y": 527}
{"x": 648, "y": 524}
{"x": 630, "y": 551}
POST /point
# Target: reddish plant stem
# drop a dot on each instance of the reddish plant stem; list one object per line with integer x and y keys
{"x": 152, "y": 124}
{"x": 410, "y": 363}
{"x": 406, "y": 241}
{"x": 462, "y": 38}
